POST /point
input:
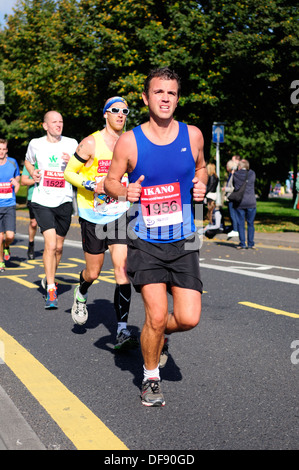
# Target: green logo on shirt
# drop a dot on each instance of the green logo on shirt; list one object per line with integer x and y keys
{"x": 53, "y": 162}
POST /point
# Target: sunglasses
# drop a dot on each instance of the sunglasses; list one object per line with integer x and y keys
{"x": 124, "y": 111}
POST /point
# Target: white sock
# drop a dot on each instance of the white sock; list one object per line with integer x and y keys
{"x": 51, "y": 286}
{"x": 151, "y": 374}
{"x": 121, "y": 326}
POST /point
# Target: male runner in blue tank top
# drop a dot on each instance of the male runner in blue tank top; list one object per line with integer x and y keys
{"x": 165, "y": 163}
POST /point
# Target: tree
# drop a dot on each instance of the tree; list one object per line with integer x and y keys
{"x": 260, "y": 48}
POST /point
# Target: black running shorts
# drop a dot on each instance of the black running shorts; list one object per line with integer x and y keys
{"x": 175, "y": 264}
{"x": 97, "y": 238}
{"x": 53, "y": 217}
{"x": 31, "y": 214}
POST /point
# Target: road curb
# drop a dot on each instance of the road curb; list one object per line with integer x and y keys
{"x": 15, "y": 432}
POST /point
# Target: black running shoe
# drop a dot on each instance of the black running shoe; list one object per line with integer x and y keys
{"x": 30, "y": 252}
{"x": 125, "y": 340}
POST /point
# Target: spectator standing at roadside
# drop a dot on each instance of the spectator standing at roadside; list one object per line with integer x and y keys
{"x": 236, "y": 159}
{"x": 9, "y": 186}
{"x": 246, "y": 210}
{"x": 211, "y": 191}
{"x": 27, "y": 180}
{"x": 297, "y": 197}
{"x": 231, "y": 166}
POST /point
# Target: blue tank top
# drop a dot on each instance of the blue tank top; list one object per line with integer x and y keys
{"x": 165, "y": 210}
{"x": 9, "y": 170}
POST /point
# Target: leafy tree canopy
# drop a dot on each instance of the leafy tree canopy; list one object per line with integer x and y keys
{"x": 237, "y": 61}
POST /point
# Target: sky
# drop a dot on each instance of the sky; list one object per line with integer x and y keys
{"x": 6, "y": 8}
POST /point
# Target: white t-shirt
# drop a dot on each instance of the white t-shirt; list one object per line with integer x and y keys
{"x": 52, "y": 190}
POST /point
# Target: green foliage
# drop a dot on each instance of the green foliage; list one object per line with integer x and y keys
{"x": 236, "y": 60}
{"x": 276, "y": 215}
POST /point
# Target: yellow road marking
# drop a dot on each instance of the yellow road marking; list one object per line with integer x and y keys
{"x": 19, "y": 265}
{"x": 107, "y": 279}
{"x": 18, "y": 278}
{"x": 79, "y": 424}
{"x": 269, "y": 309}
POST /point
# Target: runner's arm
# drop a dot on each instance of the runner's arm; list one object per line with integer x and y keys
{"x": 26, "y": 180}
{"x": 33, "y": 172}
{"x": 16, "y": 183}
{"x": 123, "y": 161}
{"x": 83, "y": 153}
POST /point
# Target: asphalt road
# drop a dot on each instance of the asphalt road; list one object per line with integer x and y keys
{"x": 231, "y": 383}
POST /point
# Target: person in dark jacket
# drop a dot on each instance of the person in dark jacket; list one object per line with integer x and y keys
{"x": 211, "y": 191}
{"x": 246, "y": 210}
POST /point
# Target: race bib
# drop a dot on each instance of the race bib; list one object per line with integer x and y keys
{"x": 6, "y": 190}
{"x": 54, "y": 179}
{"x": 107, "y": 205}
{"x": 161, "y": 205}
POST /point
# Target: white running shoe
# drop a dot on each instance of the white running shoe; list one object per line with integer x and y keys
{"x": 232, "y": 233}
{"x": 79, "y": 309}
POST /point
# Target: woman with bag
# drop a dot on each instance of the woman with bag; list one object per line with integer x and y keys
{"x": 246, "y": 209}
{"x": 211, "y": 191}
{"x": 231, "y": 166}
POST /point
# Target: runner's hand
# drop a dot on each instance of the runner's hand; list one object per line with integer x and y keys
{"x": 99, "y": 189}
{"x": 65, "y": 157}
{"x": 36, "y": 175}
{"x": 199, "y": 190}
{"x": 13, "y": 181}
{"x": 134, "y": 190}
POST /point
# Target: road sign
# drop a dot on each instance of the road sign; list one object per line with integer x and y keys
{"x": 218, "y": 138}
{"x": 218, "y": 133}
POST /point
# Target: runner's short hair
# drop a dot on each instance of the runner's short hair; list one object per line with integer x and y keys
{"x": 163, "y": 72}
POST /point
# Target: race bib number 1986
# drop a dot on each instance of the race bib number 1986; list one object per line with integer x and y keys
{"x": 161, "y": 205}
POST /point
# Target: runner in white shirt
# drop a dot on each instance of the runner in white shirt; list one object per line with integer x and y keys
{"x": 50, "y": 160}
{"x": 46, "y": 159}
